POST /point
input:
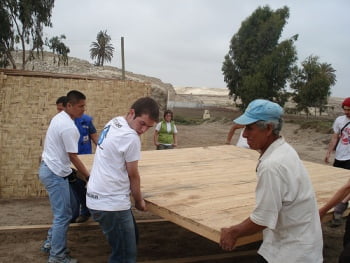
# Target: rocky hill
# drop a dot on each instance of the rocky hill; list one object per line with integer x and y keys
{"x": 162, "y": 92}
{"x": 159, "y": 89}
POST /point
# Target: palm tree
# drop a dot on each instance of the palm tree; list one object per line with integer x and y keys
{"x": 102, "y": 49}
{"x": 54, "y": 44}
{"x": 329, "y": 72}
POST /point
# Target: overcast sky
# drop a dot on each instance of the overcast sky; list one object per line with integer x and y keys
{"x": 183, "y": 42}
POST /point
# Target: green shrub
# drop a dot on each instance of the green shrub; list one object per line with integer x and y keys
{"x": 322, "y": 126}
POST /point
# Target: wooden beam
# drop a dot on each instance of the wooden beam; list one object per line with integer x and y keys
{"x": 89, "y": 224}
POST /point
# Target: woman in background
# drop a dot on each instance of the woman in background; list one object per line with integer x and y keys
{"x": 165, "y": 133}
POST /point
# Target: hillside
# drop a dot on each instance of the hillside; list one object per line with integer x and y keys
{"x": 181, "y": 96}
{"x": 78, "y": 66}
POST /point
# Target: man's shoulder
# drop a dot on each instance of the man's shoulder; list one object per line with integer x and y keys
{"x": 86, "y": 117}
{"x": 341, "y": 120}
{"x": 60, "y": 118}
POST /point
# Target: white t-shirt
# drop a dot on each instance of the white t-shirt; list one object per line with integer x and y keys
{"x": 342, "y": 152}
{"x": 109, "y": 186}
{"x": 286, "y": 205}
{"x": 61, "y": 138}
{"x": 242, "y": 142}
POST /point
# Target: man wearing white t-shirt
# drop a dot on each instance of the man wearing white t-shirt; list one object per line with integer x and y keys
{"x": 286, "y": 208}
{"x": 60, "y": 150}
{"x": 241, "y": 142}
{"x": 115, "y": 174}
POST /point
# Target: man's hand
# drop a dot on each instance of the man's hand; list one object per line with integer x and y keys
{"x": 228, "y": 239}
{"x": 141, "y": 205}
{"x": 326, "y": 159}
{"x": 229, "y": 236}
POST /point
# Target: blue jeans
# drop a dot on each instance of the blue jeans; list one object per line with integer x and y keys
{"x": 164, "y": 147}
{"x": 59, "y": 195}
{"x": 120, "y": 230}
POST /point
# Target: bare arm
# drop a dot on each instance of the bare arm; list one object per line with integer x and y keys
{"x": 337, "y": 197}
{"x": 231, "y": 132}
{"x": 79, "y": 165}
{"x": 331, "y": 145}
{"x": 155, "y": 138}
{"x": 94, "y": 137}
{"x": 175, "y": 139}
{"x": 135, "y": 185}
{"x": 230, "y": 235}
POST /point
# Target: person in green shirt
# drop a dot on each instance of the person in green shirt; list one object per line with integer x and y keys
{"x": 165, "y": 133}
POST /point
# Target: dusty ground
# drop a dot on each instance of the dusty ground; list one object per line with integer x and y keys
{"x": 160, "y": 240}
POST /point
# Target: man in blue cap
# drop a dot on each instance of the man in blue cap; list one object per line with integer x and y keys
{"x": 286, "y": 209}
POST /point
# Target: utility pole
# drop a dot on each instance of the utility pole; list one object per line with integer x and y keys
{"x": 123, "y": 61}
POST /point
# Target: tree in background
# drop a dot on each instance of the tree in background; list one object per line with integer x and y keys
{"x": 6, "y": 38}
{"x": 102, "y": 49}
{"x": 312, "y": 84}
{"x": 24, "y": 22}
{"x": 59, "y": 48}
{"x": 257, "y": 66}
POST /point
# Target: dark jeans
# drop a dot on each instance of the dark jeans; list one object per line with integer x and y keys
{"x": 121, "y": 232}
{"x": 79, "y": 189}
{"x": 345, "y": 255}
{"x": 342, "y": 164}
{"x": 341, "y": 207}
{"x": 164, "y": 147}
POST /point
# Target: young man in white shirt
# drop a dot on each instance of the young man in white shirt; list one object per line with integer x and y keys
{"x": 340, "y": 144}
{"x": 286, "y": 208}
{"x": 60, "y": 150}
{"x": 115, "y": 174}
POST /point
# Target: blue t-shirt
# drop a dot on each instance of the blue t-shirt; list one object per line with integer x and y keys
{"x": 85, "y": 127}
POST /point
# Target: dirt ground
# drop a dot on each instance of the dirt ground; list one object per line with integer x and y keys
{"x": 159, "y": 241}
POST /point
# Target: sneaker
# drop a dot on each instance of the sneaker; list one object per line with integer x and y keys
{"x": 66, "y": 259}
{"x": 82, "y": 219}
{"x": 45, "y": 247}
{"x": 336, "y": 221}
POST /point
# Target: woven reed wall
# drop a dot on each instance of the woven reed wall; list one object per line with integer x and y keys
{"x": 27, "y": 104}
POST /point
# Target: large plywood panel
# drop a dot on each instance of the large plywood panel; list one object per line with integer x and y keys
{"x": 206, "y": 188}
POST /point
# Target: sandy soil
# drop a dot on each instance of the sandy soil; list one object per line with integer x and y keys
{"x": 160, "y": 240}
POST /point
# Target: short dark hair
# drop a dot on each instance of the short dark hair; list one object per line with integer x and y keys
{"x": 168, "y": 112}
{"x": 62, "y": 99}
{"x": 146, "y": 105}
{"x": 74, "y": 96}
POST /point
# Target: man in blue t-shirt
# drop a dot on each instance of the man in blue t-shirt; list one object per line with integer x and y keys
{"x": 87, "y": 134}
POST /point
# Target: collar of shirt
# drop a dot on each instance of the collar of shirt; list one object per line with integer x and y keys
{"x": 277, "y": 143}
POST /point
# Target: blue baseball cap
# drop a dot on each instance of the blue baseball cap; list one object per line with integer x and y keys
{"x": 260, "y": 110}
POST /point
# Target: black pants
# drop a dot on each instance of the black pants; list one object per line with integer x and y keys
{"x": 342, "y": 164}
{"x": 164, "y": 147}
{"x": 260, "y": 259}
{"x": 345, "y": 254}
